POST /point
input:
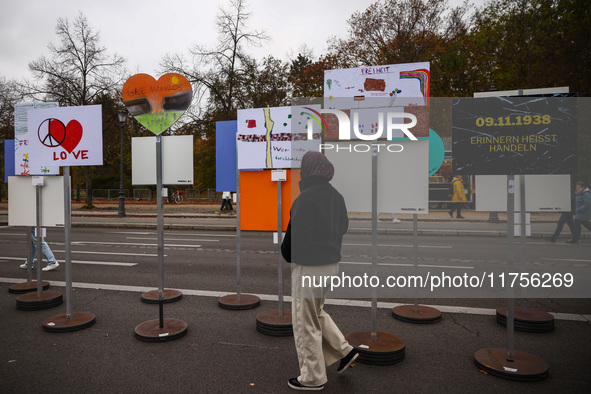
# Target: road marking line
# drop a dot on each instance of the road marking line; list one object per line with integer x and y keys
{"x": 114, "y": 263}
{"x": 118, "y": 254}
{"x": 177, "y": 239}
{"x": 402, "y": 246}
{"x": 407, "y": 265}
{"x": 547, "y": 258}
{"x": 129, "y": 244}
{"x": 171, "y": 232}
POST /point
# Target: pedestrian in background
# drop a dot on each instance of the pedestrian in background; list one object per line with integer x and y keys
{"x": 313, "y": 244}
{"x": 45, "y": 250}
{"x": 226, "y": 200}
{"x": 582, "y": 211}
{"x": 566, "y": 218}
{"x": 458, "y": 197}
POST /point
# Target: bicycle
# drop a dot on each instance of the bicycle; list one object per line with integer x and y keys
{"x": 176, "y": 196}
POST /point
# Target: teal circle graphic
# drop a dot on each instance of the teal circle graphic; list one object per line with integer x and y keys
{"x": 436, "y": 152}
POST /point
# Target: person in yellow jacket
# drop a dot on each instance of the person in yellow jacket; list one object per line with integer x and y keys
{"x": 458, "y": 197}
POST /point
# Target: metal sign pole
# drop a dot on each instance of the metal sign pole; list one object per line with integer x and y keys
{"x": 30, "y": 257}
{"x": 374, "y": 239}
{"x": 510, "y": 258}
{"x": 238, "y": 237}
{"x": 39, "y": 239}
{"x": 280, "y": 260}
{"x": 67, "y": 241}
{"x": 415, "y": 236}
{"x": 522, "y": 238}
{"x": 160, "y": 226}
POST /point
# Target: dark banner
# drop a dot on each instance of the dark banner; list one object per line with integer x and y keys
{"x": 514, "y": 135}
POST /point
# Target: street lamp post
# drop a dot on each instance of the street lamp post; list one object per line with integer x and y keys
{"x": 122, "y": 114}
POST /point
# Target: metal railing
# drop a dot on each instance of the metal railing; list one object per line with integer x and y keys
{"x": 141, "y": 194}
{"x": 108, "y": 194}
{"x": 207, "y": 194}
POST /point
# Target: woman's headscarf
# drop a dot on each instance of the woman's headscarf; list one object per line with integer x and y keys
{"x": 316, "y": 164}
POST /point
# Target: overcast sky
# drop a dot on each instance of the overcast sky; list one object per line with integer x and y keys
{"x": 143, "y": 31}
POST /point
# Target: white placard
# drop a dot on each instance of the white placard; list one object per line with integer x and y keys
{"x": 390, "y": 86}
{"x": 278, "y": 175}
{"x": 403, "y": 176}
{"x": 548, "y": 193}
{"x": 22, "y": 201}
{"x": 276, "y": 137}
{"x": 22, "y": 148}
{"x": 177, "y": 160}
{"x": 543, "y": 193}
{"x": 66, "y": 136}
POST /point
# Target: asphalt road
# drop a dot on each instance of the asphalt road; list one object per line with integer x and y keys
{"x": 223, "y": 352}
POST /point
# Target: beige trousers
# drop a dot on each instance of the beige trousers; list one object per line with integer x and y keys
{"x": 318, "y": 341}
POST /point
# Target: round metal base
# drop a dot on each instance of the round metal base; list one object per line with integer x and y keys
{"x": 422, "y": 315}
{"x": 168, "y": 296}
{"x": 151, "y": 331}
{"x": 77, "y": 321}
{"x": 384, "y": 349}
{"x": 239, "y": 302}
{"x": 33, "y": 302}
{"x": 275, "y": 324}
{"x": 25, "y": 287}
{"x": 527, "y": 320}
{"x": 524, "y": 367}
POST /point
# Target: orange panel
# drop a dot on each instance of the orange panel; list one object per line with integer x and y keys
{"x": 258, "y": 200}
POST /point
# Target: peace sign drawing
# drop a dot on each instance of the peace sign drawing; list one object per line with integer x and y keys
{"x": 51, "y": 132}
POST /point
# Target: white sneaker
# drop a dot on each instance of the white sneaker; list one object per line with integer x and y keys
{"x": 396, "y": 220}
{"x": 25, "y": 266}
{"x": 50, "y": 267}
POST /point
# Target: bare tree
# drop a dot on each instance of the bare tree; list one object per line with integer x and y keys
{"x": 78, "y": 72}
{"x": 218, "y": 73}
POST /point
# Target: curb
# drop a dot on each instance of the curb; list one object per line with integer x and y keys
{"x": 229, "y": 228}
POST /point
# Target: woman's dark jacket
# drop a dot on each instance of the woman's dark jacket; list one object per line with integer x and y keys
{"x": 317, "y": 224}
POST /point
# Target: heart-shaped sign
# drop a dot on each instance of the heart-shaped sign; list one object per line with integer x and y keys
{"x": 73, "y": 135}
{"x": 157, "y": 104}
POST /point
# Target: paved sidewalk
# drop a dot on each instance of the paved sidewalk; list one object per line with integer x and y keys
{"x": 208, "y": 217}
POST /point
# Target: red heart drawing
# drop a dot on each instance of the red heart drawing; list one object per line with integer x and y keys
{"x": 73, "y": 136}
